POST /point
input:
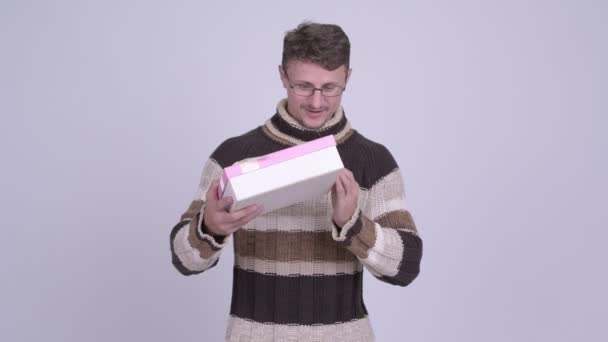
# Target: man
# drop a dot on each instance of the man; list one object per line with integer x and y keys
{"x": 298, "y": 270}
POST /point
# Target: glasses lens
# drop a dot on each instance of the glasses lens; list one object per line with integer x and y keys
{"x": 308, "y": 90}
{"x": 333, "y": 91}
{"x": 303, "y": 89}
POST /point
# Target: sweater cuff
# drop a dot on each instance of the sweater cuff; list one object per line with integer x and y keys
{"x": 202, "y": 232}
{"x": 358, "y": 235}
{"x": 344, "y": 234}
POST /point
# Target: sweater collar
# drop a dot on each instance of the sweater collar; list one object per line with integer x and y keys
{"x": 285, "y": 129}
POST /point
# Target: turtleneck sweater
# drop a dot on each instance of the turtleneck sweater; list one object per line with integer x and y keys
{"x": 296, "y": 275}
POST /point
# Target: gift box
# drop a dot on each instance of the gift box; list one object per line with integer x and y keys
{"x": 284, "y": 177}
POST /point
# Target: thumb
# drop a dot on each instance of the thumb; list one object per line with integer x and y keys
{"x": 340, "y": 187}
{"x": 212, "y": 193}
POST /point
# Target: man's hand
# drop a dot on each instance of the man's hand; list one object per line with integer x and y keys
{"x": 344, "y": 197}
{"x": 218, "y": 220}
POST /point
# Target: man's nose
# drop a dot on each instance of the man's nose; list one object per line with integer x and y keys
{"x": 317, "y": 98}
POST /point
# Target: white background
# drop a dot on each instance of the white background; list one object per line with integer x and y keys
{"x": 496, "y": 112}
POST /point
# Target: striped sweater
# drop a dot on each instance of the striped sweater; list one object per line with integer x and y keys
{"x": 296, "y": 275}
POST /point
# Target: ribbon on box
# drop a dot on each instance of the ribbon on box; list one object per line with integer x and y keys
{"x": 249, "y": 164}
{"x": 245, "y": 166}
{"x": 255, "y": 163}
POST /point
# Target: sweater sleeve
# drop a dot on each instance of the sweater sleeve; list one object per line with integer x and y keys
{"x": 382, "y": 233}
{"x": 193, "y": 250}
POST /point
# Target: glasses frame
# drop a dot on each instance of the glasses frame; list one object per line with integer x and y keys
{"x": 293, "y": 87}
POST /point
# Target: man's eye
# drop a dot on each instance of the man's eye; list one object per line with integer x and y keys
{"x": 330, "y": 87}
{"x": 304, "y": 86}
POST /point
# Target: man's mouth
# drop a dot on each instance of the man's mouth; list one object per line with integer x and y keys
{"x": 314, "y": 112}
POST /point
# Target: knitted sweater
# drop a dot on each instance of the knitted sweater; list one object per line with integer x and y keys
{"x": 296, "y": 275}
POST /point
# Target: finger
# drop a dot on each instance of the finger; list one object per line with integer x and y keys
{"x": 348, "y": 175}
{"x": 225, "y": 203}
{"x": 355, "y": 189}
{"x": 349, "y": 187}
{"x": 340, "y": 190}
{"x": 243, "y": 221}
{"x": 211, "y": 195}
{"x": 238, "y": 215}
{"x": 351, "y": 176}
{"x": 353, "y": 185}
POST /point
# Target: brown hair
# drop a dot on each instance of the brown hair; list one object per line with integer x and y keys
{"x": 323, "y": 44}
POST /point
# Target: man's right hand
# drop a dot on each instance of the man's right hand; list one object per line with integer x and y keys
{"x": 218, "y": 220}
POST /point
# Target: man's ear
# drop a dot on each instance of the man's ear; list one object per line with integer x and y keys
{"x": 283, "y": 76}
{"x": 350, "y": 70}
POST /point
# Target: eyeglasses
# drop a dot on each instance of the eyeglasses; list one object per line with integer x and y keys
{"x": 307, "y": 89}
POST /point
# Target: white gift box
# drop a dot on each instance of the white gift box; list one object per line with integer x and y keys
{"x": 284, "y": 177}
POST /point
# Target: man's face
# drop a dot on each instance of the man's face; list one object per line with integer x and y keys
{"x": 312, "y": 111}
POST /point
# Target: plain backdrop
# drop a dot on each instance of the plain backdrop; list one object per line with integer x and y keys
{"x": 496, "y": 112}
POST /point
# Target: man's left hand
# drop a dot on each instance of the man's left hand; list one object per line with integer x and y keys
{"x": 344, "y": 197}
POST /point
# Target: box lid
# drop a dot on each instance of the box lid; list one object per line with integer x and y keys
{"x": 252, "y": 164}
